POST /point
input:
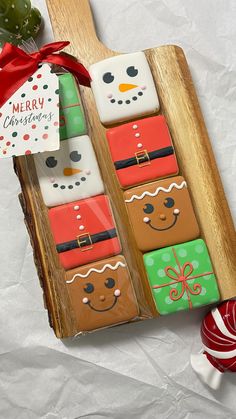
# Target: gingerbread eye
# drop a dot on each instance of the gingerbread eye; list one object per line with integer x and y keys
{"x": 51, "y": 162}
{"x": 109, "y": 283}
{"x": 89, "y": 288}
{"x": 75, "y": 156}
{"x": 169, "y": 202}
{"x": 148, "y": 209}
{"x": 108, "y": 78}
{"x": 132, "y": 71}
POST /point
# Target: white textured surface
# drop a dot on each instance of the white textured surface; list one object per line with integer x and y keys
{"x": 134, "y": 371}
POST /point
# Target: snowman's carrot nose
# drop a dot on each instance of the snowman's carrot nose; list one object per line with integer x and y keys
{"x": 123, "y": 87}
{"x": 69, "y": 171}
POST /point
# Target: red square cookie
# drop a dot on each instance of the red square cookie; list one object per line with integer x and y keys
{"x": 142, "y": 151}
{"x": 84, "y": 231}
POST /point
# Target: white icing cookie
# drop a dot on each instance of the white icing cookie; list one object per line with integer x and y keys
{"x": 69, "y": 174}
{"x": 123, "y": 88}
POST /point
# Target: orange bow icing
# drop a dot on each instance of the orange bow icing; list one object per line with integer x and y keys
{"x": 182, "y": 276}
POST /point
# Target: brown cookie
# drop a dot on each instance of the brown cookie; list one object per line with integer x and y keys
{"x": 161, "y": 213}
{"x": 102, "y": 294}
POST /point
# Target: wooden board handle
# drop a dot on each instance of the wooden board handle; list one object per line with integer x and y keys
{"x": 73, "y": 21}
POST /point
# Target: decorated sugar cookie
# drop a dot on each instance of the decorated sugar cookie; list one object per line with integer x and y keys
{"x": 123, "y": 88}
{"x": 70, "y": 173}
{"x": 72, "y": 119}
{"x": 181, "y": 277}
{"x": 161, "y": 213}
{"x": 84, "y": 231}
{"x": 218, "y": 333}
{"x": 102, "y": 294}
{"x": 142, "y": 150}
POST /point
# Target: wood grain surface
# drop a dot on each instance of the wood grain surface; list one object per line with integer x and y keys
{"x": 72, "y": 20}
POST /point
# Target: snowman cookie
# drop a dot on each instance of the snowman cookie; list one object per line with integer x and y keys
{"x": 123, "y": 88}
{"x": 70, "y": 173}
{"x": 102, "y": 294}
{"x": 161, "y": 213}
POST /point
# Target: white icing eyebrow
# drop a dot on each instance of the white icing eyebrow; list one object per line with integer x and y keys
{"x": 106, "y": 266}
{"x": 147, "y": 193}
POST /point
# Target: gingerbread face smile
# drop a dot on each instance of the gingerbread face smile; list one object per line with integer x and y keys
{"x": 100, "y": 310}
{"x": 149, "y": 209}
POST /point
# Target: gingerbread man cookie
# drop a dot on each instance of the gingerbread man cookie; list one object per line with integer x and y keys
{"x": 161, "y": 213}
{"x": 102, "y": 294}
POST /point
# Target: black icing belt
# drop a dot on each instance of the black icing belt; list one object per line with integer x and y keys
{"x": 86, "y": 240}
{"x": 132, "y": 161}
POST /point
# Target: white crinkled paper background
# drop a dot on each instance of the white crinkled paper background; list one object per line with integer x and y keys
{"x": 134, "y": 371}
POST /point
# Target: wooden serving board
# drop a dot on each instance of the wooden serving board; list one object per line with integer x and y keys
{"x": 72, "y": 20}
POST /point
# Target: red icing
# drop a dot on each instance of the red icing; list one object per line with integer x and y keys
{"x": 45, "y": 136}
{"x": 96, "y": 217}
{"x": 153, "y": 135}
{"x": 216, "y": 340}
{"x": 26, "y": 137}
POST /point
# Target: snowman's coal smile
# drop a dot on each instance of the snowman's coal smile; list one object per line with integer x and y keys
{"x": 127, "y": 101}
{"x": 70, "y": 186}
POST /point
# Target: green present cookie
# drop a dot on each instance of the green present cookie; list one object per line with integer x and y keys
{"x": 72, "y": 119}
{"x": 181, "y": 277}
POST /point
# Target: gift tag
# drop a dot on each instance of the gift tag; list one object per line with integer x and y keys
{"x": 29, "y": 120}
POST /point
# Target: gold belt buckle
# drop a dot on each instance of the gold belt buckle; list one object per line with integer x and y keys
{"x": 142, "y": 158}
{"x": 81, "y": 239}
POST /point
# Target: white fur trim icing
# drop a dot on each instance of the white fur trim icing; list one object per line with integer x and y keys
{"x": 220, "y": 324}
{"x": 147, "y": 193}
{"x": 106, "y": 266}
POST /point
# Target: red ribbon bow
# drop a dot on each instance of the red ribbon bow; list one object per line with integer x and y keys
{"x": 182, "y": 277}
{"x": 17, "y": 66}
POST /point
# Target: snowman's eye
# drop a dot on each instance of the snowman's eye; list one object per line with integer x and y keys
{"x": 51, "y": 162}
{"x": 132, "y": 71}
{"x": 75, "y": 156}
{"x": 108, "y": 78}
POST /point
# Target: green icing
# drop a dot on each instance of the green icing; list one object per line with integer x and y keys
{"x": 18, "y": 21}
{"x": 196, "y": 254}
{"x": 72, "y": 119}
